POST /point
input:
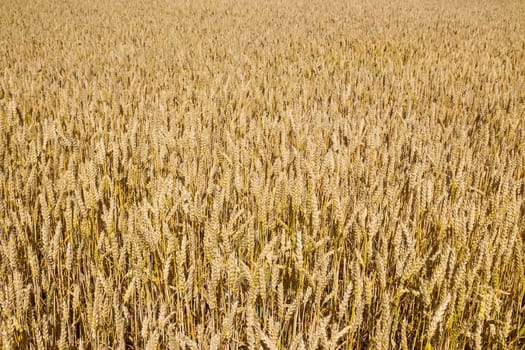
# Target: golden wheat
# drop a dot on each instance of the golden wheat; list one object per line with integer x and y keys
{"x": 262, "y": 174}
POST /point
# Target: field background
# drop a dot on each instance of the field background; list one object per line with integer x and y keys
{"x": 262, "y": 174}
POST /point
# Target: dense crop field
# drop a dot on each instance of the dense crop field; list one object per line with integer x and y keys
{"x": 262, "y": 174}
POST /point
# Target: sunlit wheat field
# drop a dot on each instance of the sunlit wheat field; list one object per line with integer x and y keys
{"x": 262, "y": 174}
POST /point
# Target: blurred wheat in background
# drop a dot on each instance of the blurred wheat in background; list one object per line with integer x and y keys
{"x": 262, "y": 174}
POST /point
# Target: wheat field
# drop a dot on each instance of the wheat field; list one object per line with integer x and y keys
{"x": 262, "y": 174}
